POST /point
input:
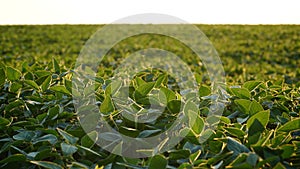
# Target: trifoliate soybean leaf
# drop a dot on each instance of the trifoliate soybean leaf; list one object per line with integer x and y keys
{"x": 47, "y": 164}
{"x": 2, "y": 77}
{"x": 107, "y": 106}
{"x": 158, "y": 162}
{"x": 61, "y": 89}
{"x": 89, "y": 139}
{"x": 243, "y": 105}
{"x": 13, "y": 74}
{"x": 32, "y": 84}
{"x": 255, "y": 107}
{"x": 68, "y": 149}
{"x": 45, "y": 85}
{"x": 68, "y": 137}
{"x": 251, "y": 85}
{"x": 262, "y": 117}
{"x": 14, "y": 158}
{"x": 49, "y": 137}
{"x": 291, "y": 125}
{"x": 55, "y": 66}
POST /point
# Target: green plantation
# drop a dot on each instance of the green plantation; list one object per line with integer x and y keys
{"x": 259, "y": 127}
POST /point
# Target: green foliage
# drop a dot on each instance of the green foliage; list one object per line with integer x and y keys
{"x": 259, "y": 128}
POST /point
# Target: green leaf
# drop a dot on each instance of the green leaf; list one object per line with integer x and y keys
{"x": 68, "y": 137}
{"x": 45, "y": 85}
{"x": 139, "y": 81}
{"x": 107, "y": 106}
{"x": 251, "y": 85}
{"x": 4, "y": 121}
{"x": 53, "y": 112}
{"x": 13, "y": 74}
{"x": 288, "y": 151}
{"x": 68, "y": 149}
{"x": 255, "y": 107}
{"x": 15, "y": 86}
{"x": 204, "y": 90}
{"x": 279, "y": 166}
{"x": 113, "y": 88}
{"x": 89, "y": 150}
{"x": 291, "y": 125}
{"x": 161, "y": 80}
{"x": 143, "y": 90}
{"x": 55, "y": 66}
{"x": 179, "y": 154}
{"x": 52, "y": 139}
{"x": 242, "y": 93}
{"x": 255, "y": 131}
{"x": 77, "y": 165}
{"x": 158, "y": 162}
{"x": 24, "y": 135}
{"x": 61, "y": 89}
{"x": 166, "y": 95}
{"x": 47, "y": 164}
{"x": 32, "y": 84}
{"x": 236, "y": 147}
{"x": 89, "y": 139}
{"x": 14, "y": 158}
{"x": 2, "y": 77}
{"x": 235, "y": 131}
{"x": 262, "y": 117}
{"x": 243, "y": 105}
{"x": 196, "y": 122}
{"x": 174, "y": 106}
{"x": 252, "y": 159}
{"x": 193, "y": 157}
{"x": 147, "y": 133}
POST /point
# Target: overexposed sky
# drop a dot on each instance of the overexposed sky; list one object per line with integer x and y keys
{"x": 107, "y": 11}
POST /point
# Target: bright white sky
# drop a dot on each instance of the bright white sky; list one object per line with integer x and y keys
{"x": 107, "y": 11}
